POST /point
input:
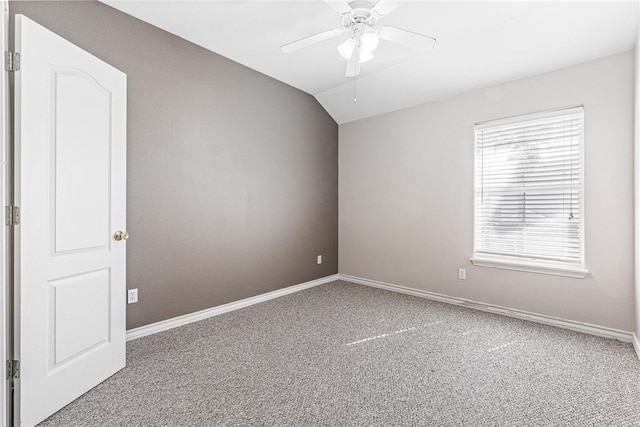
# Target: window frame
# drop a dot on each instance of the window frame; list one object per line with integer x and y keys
{"x": 532, "y": 265}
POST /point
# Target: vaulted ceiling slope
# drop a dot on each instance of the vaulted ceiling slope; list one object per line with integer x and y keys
{"x": 479, "y": 44}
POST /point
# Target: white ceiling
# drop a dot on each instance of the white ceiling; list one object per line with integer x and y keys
{"x": 479, "y": 44}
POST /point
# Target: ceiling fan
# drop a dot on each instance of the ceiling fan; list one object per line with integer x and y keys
{"x": 360, "y": 18}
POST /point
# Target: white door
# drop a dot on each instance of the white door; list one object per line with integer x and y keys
{"x": 70, "y": 157}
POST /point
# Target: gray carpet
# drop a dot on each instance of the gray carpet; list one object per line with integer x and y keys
{"x": 348, "y": 355}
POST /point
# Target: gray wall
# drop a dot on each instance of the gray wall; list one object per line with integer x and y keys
{"x": 406, "y": 195}
{"x": 232, "y": 176}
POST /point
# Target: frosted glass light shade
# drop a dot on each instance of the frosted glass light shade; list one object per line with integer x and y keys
{"x": 369, "y": 41}
{"x": 365, "y": 55}
{"x": 346, "y": 48}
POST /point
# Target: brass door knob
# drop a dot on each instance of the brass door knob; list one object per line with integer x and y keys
{"x": 121, "y": 235}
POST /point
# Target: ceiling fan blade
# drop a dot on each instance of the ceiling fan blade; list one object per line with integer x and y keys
{"x": 385, "y": 7}
{"x": 308, "y": 41}
{"x": 353, "y": 64}
{"x": 407, "y": 38}
{"x": 339, "y": 6}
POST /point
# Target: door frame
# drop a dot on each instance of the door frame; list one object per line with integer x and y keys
{"x": 5, "y": 250}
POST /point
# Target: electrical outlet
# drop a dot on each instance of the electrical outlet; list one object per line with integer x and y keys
{"x": 319, "y": 259}
{"x": 462, "y": 274}
{"x": 132, "y": 296}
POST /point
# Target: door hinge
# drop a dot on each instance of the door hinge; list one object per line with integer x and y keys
{"x": 13, "y": 369}
{"x": 13, "y": 215}
{"x": 12, "y": 61}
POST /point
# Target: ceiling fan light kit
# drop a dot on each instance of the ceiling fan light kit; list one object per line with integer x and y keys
{"x": 347, "y": 48}
{"x": 359, "y": 18}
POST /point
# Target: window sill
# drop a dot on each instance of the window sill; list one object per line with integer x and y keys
{"x": 531, "y": 267}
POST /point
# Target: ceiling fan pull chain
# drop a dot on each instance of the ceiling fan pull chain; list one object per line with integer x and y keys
{"x": 354, "y": 89}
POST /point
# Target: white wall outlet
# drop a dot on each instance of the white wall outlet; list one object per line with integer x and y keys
{"x": 319, "y": 259}
{"x": 462, "y": 274}
{"x": 132, "y": 296}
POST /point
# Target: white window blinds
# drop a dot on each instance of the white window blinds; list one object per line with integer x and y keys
{"x": 529, "y": 188}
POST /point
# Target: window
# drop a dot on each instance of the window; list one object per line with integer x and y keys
{"x": 529, "y": 193}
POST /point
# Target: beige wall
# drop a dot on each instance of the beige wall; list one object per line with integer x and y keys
{"x": 232, "y": 175}
{"x": 406, "y": 195}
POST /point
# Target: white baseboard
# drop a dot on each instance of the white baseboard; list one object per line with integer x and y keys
{"x": 520, "y": 314}
{"x": 587, "y": 328}
{"x": 174, "y": 322}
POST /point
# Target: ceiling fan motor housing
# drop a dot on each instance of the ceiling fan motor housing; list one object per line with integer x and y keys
{"x": 361, "y": 14}
{"x": 361, "y": 5}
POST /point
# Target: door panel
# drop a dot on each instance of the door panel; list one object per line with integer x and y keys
{"x": 75, "y": 329}
{"x": 81, "y": 169}
{"x": 70, "y": 185}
